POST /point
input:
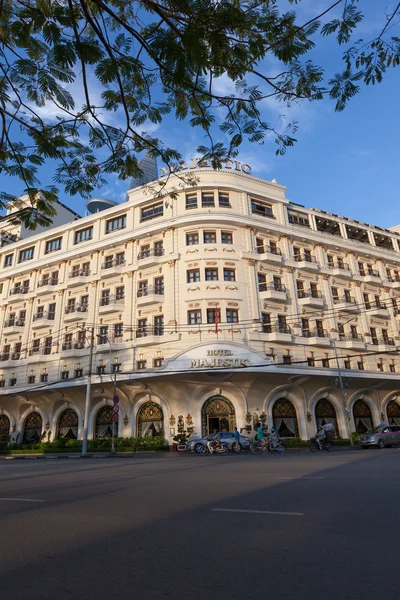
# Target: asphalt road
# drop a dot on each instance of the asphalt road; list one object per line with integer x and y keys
{"x": 324, "y": 526}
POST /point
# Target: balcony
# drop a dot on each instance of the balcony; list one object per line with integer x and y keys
{"x": 276, "y": 333}
{"x": 75, "y": 312}
{"x": 43, "y": 320}
{"x": 307, "y": 262}
{"x": 354, "y": 341}
{"x": 312, "y": 299}
{"x": 341, "y": 270}
{"x": 18, "y": 293}
{"x": 346, "y": 304}
{"x": 371, "y": 276}
{"x": 14, "y": 326}
{"x": 316, "y": 337}
{"x": 78, "y": 277}
{"x": 149, "y": 257}
{"x": 377, "y": 310}
{"x": 269, "y": 255}
{"x": 111, "y": 304}
{"x": 144, "y": 332}
{"x": 42, "y": 354}
{"x": 150, "y": 295}
{"x": 46, "y": 285}
{"x": 394, "y": 283}
{"x": 73, "y": 349}
{"x": 113, "y": 267}
{"x": 386, "y": 342}
{"x": 275, "y": 292}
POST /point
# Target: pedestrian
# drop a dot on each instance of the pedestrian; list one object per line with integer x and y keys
{"x": 237, "y": 439}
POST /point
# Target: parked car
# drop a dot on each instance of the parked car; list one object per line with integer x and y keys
{"x": 382, "y": 436}
{"x": 228, "y": 437}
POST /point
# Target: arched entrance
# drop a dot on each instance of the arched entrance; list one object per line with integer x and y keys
{"x": 104, "y": 423}
{"x": 325, "y": 413}
{"x": 362, "y": 416}
{"x": 68, "y": 425}
{"x": 217, "y": 413}
{"x": 393, "y": 413}
{"x": 4, "y": 431}
{"x": 32, "y": 428}
{"x": 285, "y": 418}
{"x": 150, "y": 420}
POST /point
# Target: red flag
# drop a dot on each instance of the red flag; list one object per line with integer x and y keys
{"x": 216, "y": 320}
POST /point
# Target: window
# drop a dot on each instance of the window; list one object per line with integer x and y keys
{"x": 273, "y": 248}
{"x": 108, "y": 262}
{"x": 278, "y": 285}
{"x": 159, "y": 285}
{"x": 340, "y": 262}
{"x": 101, "y": 369}
{"x": 330, "y": 260}
{"x": 53, "y": 245}
{"x": 158, "y": 362}
{"x": 298, "y": 219}
{"x": 211, "y": 274}
{"x": 192, "y": 239}
{"x": 392, "y": 368}
{"x": 347, "y": 296}
{"x": 120, "y": 258}
{"x": 120, "y": 292}
{"x": 325, "y": 363}
{"x": 259, "y": 208}
{"x": 103, "y": 335}
{"x": 366, "y": 301}
{"x": 191, "y": 201}
{"x": 300, "y": 289}
{"x": 141, "y": 330}
{"x": 65, "y": 375}
{"x": 226, "y": 237}
{"x": 347, "y": 363}
{"x": 207, "y": 199}
{"x": 8, "y": 260}
{"x": 287, "y": 359}
{"x": 212, "y": 315}
{"x": 335, "y": 293}
{"x": 223, "y": 200}
{"x": 374, "y": 336}
{"x": 13, "y": 381}
{"x": 116, "y": 367}
{"x": 305, "y": 325}
{"x": 40, "y": 312}
{"x": 354, "y": 332}
{"x": 48, "y": 342}
{"x": 83, "y": 235}
{"x": 296, "y": 252}
{"x": 145, "y": 251}
{"x": 266, "y": 322}
{"x": 159, "y": 325}
{"x": 2, "y": 382}
{"x": 282, "y": 324}
{"x": 51, "y": 315}
{"x": 360, "y": 366}
{"x": 105, "y": 298}
{"x": 141, "y": 364}
{"x": 380, "y": 366}
{"x": 116, "y": 224}
{"x": 262, "y": 282}
{"x": 311, "y": 361}
{"x": 159, "y": 248}
{"x": 320, "y": 328}
{"x": 31, "y": 379}
{"x": 26, "y": 254}
{"x": 210, "y": 237}
{"x": 194, "y": 317}
{"x": 314, "y": 291}
{"x": 78, "y": 372}
{"x": 259, "y": 246}
{"x": 152, "y": 212}
{"x": 232, "y": 316}
{"x": 229, "y": 275}
{"x": 44, "y": 377}
{"x": 118, "y": 330}
{"x": 142, "y": 288}
{"x": 193, "y": 275}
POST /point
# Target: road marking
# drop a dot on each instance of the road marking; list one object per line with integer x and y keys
{"x": 21, "y": 499}
{"x": 258, "y": 512}
{"x": 293, "y": 478}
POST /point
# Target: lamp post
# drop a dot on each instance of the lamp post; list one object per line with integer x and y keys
{"x": 114, "y": 394}
{"x": 343, "y": 393}
{"x": 88, "y": 392}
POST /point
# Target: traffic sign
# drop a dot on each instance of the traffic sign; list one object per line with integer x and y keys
{"x": 115, "y": 417}
{"x": 115, "y": 409}
{"x": 116, "y": 399}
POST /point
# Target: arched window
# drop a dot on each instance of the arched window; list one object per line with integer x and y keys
{"x": 325, "y": 413}
{"x": 104, "y": 423}
{"x": 150, "y": 420}
{"x": 217, "y": 413}
{"x": 4, "y": 431}
{"x": 68, "y": 424}
{"x": 32, "y": 428}
{"x": 285, "y": 418}
{"x": 393, "y": 413}
{"x": 362, "y": 416}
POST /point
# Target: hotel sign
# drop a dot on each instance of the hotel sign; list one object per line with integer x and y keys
{"x": 216, "y": 356}
{"x": 198, "y": 163}
{"x": 222, "y": 359}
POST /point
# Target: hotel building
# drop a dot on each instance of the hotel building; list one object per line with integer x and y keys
{"x": 225, "y": 305}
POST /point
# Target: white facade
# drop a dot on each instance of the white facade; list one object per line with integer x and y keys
{"x": 289, "y": 285}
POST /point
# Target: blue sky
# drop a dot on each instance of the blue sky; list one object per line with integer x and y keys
{"x": 346, "y": 163}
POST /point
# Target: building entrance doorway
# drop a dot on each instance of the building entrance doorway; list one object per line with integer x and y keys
{"x": 217, "y": 413}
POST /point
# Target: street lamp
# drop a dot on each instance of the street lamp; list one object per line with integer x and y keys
{"x": 114, "y": 394}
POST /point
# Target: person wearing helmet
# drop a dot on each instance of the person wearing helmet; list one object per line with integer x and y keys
{"x": 273, "y": 437}
{"x": 260, "y": 435}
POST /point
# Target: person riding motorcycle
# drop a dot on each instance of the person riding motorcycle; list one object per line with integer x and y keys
{"x": 260, "y": 436}
{"x": 320, "y": 436}
{"x": 273, "y": 438}
{"x": 213, "y": 440}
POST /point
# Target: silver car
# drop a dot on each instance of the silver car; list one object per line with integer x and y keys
{"x": 383, "y": 436}
{"x": 228, "y": 437}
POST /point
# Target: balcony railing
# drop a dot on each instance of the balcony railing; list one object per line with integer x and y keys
{"x": 305, "y": 257}
{"x": 15, "y": 355}
{"x": 80, "y": 273}
{"x": 319, "y": 333}
{"x": 357, "y": 337}
{"x": 149, "y": 330}
{"x": 276, "y": 287}
{"x": 396, "y": 311}
{"x": 342, "y": 266}
{"x": 269, "y": 328}
{"x": 19, "y": 290}
{"x": 386, "y": 341}
{"x": 4, "y": 356}
{"x": 156, "y": 289}
{"x": 15, "y": 323}
{"x": 365, "y": 273}
{"x": 151, "y": 252}
{"x": 309, "y": 294}
{"x": 50, "y": 316}
{"x": 72, "y": 308}
{"x": 49, "y": 281}
{"x": 109, "y": 300}
{"x": 344, "y": 299}
{"x": 117, "y": 262}
{"x": 73, "y": 345}
{"x": 46, "y": 350}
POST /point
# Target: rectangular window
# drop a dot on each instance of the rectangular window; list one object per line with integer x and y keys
{"x": 259, "y": 246}
{"x": 360, "y": 366}
{"x": 118, "y": 330}
{"x": 314, "y": 291}
{"x": 211, "y": 274}
{"x": 31, "y": 379}
{"x": 158, "y": 362}
{"x": 141, "y": 330}
{"x": 159, "y": 248}
{"x": 116, "y": 367}
{"x": 85, "y": 269}
{"x": 101, "y": 369}
{"x": 53, "y": 245}
{"x": 120, "y": 292}
{"x": 305, "y": 325}
{"x": 48, "y": 342}
{"x": 152, "y": 212}
{"x": 105, "y": 298}
{"x": 210, "y": 237}
{"x": 207, "y": 199}
{"x": 278, "y": 285}
{"x": 159, "y": 325}
{"x": 116, "y": 224}
{"x": 392, "y": 368}
{"x": 311, "y": 361}
{"x": 325, "y": 363}
{"x": 84, "y": 303}
{"x": 78, "y": 373}
{"x": 366, "y": 301}
{"x": 330, "y": 260}
{"x": 120, "y": 258}
{"x": 232, "y": 316}
{"x": 191, "y": 201}
{"x": 108, "y": 261}
{"x": 261, "y": 209}
{"x": 51, "y": 314}
{"x": 287, "y": 359}
{"x": 380, "y": 366}
{"x": 226, "y": 237}
{"x": 8, "y": 260}
{"x": 159, "y": 285}
{"x": 103, "y": 335}
{"x": 282, "y": 324}
{"x": 145, "y": 251}
{"x": 13, "y": 381}
{"x": 83, "y": 235}
{"x": 320, "y": 329}
{"x": 192, "y": 239}
{"x": 229, "y": 275}
{"x": 193, "y": 275}
{"x": 262, "y": 282}
{"x": 212, "y": 314}
{"x": 298, "y": 219}
{"x": 347, "y": 364}
{"x": 26, "y": 254}
{"x": 335, "y": 293}
{"x": 266, "y": 322}
{"x": 44, "y": 377}
{"x": 65, "y": 375}
{"x": 141, "y": 364}
{"x": 361, "y": 268}
{"x": 194, "y": 317}
{"x": 223, "y": 200}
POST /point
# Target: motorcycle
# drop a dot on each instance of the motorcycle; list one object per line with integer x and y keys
{"x": 257, "y": 447}
{"x": 214, "y": 448}
{"x": 325, "y": 445}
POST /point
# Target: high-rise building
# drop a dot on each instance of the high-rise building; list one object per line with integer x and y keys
{"x": 150, "y": 172}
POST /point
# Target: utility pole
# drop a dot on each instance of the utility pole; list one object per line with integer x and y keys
{"x": 343, "y": 393}
{"x": 113, "y": 423}
{"x": 88, "y": 393}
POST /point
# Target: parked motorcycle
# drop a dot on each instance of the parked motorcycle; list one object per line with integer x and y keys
{"x": 214, "y": 448}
